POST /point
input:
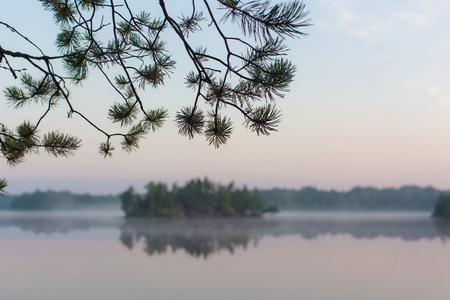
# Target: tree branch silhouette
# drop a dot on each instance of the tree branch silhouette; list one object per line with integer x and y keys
{"x": 108, "y": 35}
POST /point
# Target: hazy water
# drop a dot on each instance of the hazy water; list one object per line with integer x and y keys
{"x": 63, "y": 256}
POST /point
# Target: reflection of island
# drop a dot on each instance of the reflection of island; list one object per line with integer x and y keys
{"x": 198, "y": 237}
{"x": 203, "y": 237}
{"x": 443, "y": 229}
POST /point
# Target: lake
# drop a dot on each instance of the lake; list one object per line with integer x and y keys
{"x": 288, "y": 256}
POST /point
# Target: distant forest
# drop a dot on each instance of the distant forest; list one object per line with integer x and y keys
{"x": 407, "y": 198}
{"x": 50, "y": 200}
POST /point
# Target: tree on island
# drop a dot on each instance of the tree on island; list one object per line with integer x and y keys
{"x": 442, "y": 206}
{"x": 198, "y": 198}
{"x": 129, "y": 48}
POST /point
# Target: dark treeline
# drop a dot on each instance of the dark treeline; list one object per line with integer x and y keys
{"x": 406, "y": 198}
{"x": 51, "y": 200}
{"x": 203, "y": 198}
{"x": 442, "y": 207}
{"x": 198, "y": 198}
{"x": 5, "y": 202}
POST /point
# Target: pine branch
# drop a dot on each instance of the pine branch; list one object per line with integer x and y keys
{"x": 259, "y": 19}
{"x": 3, "y": 185}
{"x": 130, "y": 51}
{"x": 60, "y": 144}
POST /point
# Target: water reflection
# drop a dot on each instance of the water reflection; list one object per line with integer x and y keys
{"x": 59, "y": 222}
{"x": 203, "y": 237}
{"x": 199, "y": 238}
{"x": 443, "y": 229}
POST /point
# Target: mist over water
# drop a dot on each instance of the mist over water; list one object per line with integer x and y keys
{"x": 285, "y": 256}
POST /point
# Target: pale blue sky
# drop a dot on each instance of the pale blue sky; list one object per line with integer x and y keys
{"x": 370, "y": 106}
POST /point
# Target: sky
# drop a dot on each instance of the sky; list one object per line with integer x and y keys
{"x": 370, "y": 106}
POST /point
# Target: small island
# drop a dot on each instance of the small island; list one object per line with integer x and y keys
{"x": 198, "y": 198}
{"x": 442, "y": 206}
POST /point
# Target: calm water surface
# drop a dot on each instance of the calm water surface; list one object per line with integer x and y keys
{"x": 99, "y": 256}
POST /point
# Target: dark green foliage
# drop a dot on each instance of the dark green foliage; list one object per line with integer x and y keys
{"x": 127, "y": 199}
{"x": 219, "y": 131}
{"x": 60, "y": 144}
{"x": 442, "y": 206}
{"x": 260, "y": 19}
{"x": 271, "y": 209}
{"x": 272, "y": 79}
{"x": 51, "y": 200}
{"x": 3, "y": 184}
{"x": 64, "y": 11}
{"x": 190, "y": 24}
{"x": 15, "y": 145}
{"x": 155, "y": 118}
{"x": 76, "y": 65}
{"x": 407, "y": 198}
{"x": 33, "y": 91}
{"x": 68, "y": 40}
{"x": 198, "y": 198}
{"x": 190, "y": 121}
{"x": 25, "y": 140}
{"x": 265, "y": 119}
{"x": 124, "y": 113}
{"x": 106, "y": 149}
